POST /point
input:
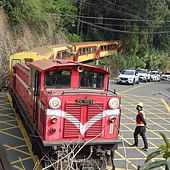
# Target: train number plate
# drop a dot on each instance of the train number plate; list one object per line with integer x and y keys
{"x": 84, "y": 102}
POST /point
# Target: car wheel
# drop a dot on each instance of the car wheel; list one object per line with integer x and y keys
{"x": 133, "y": 82}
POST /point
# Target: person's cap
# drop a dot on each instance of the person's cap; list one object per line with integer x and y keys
{"x": 140, "y": 104}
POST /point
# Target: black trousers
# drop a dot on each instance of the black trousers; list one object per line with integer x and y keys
{"x": 140, "y": 130}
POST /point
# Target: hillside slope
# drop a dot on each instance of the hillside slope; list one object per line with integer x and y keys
{"x": 21, "y": 37}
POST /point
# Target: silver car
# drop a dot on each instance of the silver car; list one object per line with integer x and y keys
{"x": 155, "y": 76}
{"x": 128, "y": 77}
{"x": 144, "y": 75}
{"x": 165, "y": 76}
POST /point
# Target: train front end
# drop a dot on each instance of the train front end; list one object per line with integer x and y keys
{"x": 73, "y": 117}
{"x": 81, "y": 115}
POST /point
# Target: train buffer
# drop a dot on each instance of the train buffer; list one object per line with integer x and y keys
{"x": 4, "y": 163}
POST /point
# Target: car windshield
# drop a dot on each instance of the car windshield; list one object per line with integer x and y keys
{"x": 141, "y": 71}
{"x": 166, "y": 73}
{"x": 128, "y": 72}
{"x": 154, "y": 72}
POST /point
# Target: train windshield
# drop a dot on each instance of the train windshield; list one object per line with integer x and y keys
{"x": 58, "y": 78}
{"x": 91, "y": 79}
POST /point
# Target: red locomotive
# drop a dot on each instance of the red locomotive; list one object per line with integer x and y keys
{"x": 71, "y": 115}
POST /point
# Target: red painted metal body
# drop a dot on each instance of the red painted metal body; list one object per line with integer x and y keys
{"x": 67, "y": 103}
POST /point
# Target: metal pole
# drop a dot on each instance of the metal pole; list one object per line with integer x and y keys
{"x": 97, "y": 62}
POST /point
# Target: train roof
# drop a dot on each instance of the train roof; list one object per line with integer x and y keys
{"x": 45, "y": 49}
{"x": 42, "y": 65}
{"x": 93, "y": 43}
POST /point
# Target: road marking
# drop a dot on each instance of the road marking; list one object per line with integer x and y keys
{"x": 158, "y": 120}
{"x": 166, "y": 105}
{"x": 25, "y": 136}
{"x": 134, "y": 87}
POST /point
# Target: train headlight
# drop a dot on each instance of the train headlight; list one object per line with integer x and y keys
{"x": 54, "y": 102}
{"x": 113, "y": 103}
{"x": 53, "y": 119}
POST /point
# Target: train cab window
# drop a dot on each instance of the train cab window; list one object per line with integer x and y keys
{"x": 15, "y": 62}
{"x": 91, "y": 79}
{"x": 58, "y": 78}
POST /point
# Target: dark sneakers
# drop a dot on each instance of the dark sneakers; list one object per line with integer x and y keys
{"x": 144, "y": 149}
{"x": 134, "y": 146}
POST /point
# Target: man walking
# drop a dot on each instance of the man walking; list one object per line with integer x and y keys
{"x": 141, "y": 126}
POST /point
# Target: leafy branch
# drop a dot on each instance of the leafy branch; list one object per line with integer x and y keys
{"x": 164, "y": 150}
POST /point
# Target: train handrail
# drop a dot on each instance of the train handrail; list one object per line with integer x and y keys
{"x": 103, "y": 92}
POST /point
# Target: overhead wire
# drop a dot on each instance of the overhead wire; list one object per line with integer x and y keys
{"x": 140, "y": 26}
{"x": 106, "y": 18}
{"x": 114, "y": 30}
{"x": 125, "y": 19}
{"x": 109, "y": 9}
{"x": 121, "y": 31}
{"x": 109, "y": 29}
{"x": 117, "y": 11}
{"x": 127, "y": 9}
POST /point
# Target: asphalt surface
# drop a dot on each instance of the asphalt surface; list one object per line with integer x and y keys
{"x": 18, "y": 147}
{"x": 14, "y": 138}
{"x": 158, "y": 119}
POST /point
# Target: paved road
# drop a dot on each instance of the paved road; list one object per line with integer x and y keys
{"x": 14, "y": 138}
{"x": 158, "y": 118}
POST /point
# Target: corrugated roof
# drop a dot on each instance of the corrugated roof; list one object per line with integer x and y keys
{"x": 40, "y": 50}
{"x": 41, "y": 65}
{"x": 45, "y": 49}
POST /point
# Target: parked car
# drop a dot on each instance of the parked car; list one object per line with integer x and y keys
{"x": 144, "y": 75}
{"x": 128, "y": 77}
{"x": 155, "y": 75}
{"x": 165, "y": 76}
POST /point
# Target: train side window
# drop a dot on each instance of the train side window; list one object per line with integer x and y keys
{"x": 81, "y": 50}
{"x": 59, "y": 55}
{"x": 64, "y": 54}
{"x": 32, "y": 78}
{"x": 28, "y": 60}
{"x": 103, "y": 48}
{"x": 93, "y": 49}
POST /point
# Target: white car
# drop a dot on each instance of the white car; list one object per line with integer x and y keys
{"x": 128, "y": 77}
{"x": 144, "y": 75}
{"x": 165, "y": 76}
{"x": 155, "y": 76}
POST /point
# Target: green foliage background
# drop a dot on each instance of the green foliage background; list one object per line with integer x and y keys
{"x": 143, "y": 26}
